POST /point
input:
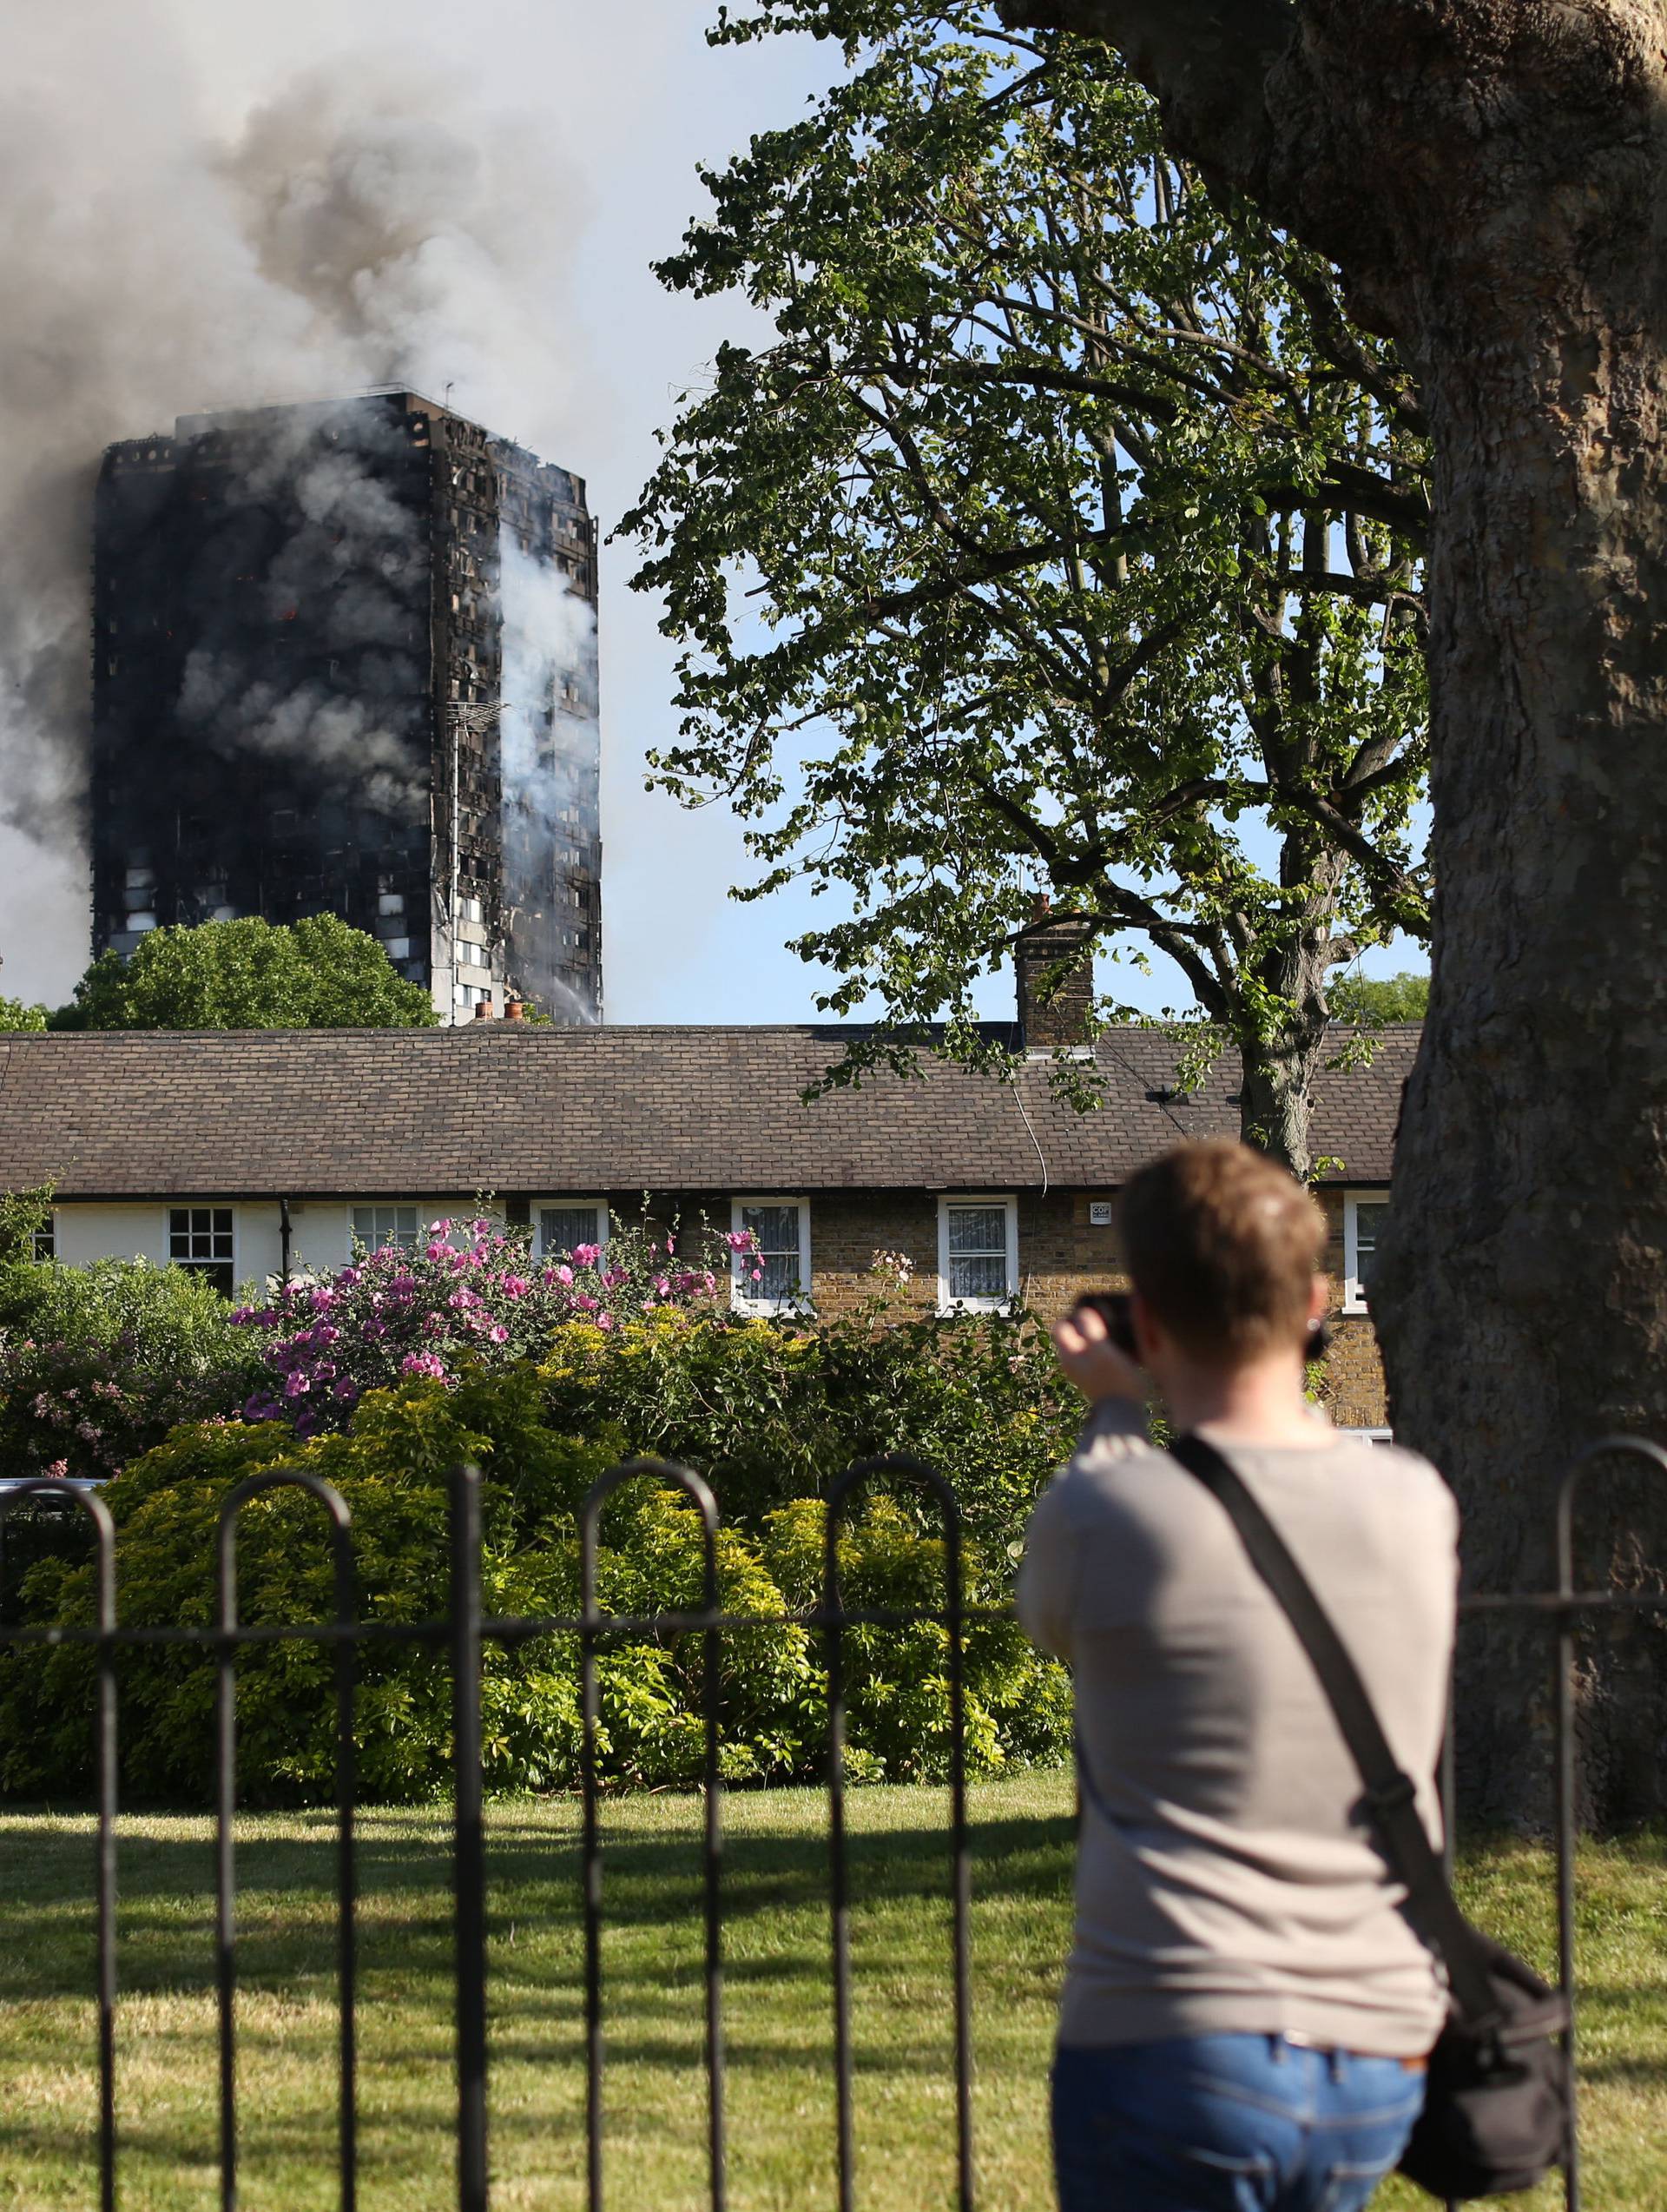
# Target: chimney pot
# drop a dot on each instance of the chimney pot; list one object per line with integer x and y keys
{"x": 484, "y": 1010}
{"x": 514, "y": 1010}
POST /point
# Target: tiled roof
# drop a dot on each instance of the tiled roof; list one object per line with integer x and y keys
{"x": 507, "y": 1108}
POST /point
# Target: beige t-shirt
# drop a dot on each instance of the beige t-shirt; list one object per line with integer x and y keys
{"x": 1227, "y": 1880}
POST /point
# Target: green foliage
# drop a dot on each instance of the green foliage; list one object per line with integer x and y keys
{"x": 22, "y": 1215}
{"x": 1066, "y": 537}
{"x": 1371, "y": 1000}
{"x": 769, "y": 1413}
{"x": 97, "y": 1364}
{"x": 392, "y": 1470}
{"x": 316, "y": 974}
{"x": 14, "y": 1014}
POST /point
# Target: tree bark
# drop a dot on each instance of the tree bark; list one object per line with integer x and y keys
{"x": 1279, "y": 1073}
{"x": 1274, "y": 1110}
{"x": 1492, "y": 175}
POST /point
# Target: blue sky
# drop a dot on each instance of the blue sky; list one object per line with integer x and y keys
{"x": 623, "y": 103}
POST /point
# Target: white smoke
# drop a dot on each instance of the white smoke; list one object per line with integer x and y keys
{"x": 548, "y": 726}
{"x": 376, "y": 224}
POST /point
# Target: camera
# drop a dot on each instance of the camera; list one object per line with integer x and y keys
{"x": 1114, "y": 1308}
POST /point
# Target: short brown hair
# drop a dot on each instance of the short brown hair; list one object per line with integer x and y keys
{"x": 1222, "y": 1245}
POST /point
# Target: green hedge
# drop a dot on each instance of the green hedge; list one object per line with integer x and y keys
{"x": 770, "y": 1413}
{"x": 541, "y": 1441}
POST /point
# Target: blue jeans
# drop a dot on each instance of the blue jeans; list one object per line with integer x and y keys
{"x": 1227, "y": 2123}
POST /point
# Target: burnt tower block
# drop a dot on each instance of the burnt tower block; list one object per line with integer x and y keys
{"x": 344, "y": 661}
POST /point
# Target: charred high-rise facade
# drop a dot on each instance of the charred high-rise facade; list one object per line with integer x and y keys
{"x": 345, "y": 662}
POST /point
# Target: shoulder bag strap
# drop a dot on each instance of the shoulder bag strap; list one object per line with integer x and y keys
{"x": 1391, "y": 1795}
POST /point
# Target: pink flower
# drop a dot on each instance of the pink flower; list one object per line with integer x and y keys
{"x": 296, "y": 1385}
{"x": 323, "y": 1300}
{"x": 514, "y": 1286}
{"x": 500, "y": 1334}
{"x": 585, "y": 1303}
{"x": 462, "y": 1300}
{"x": 613, "y": 1276}
{"x": 57, "y": 1471}
{"x": 605, "y": 1321}
{"x": 437, "y": 1252}
{"x": 587, "y": 1255}
{"x": 564, "y": 1274}
{"x": 372, "y": 1330}
{"x": 422, "y": 1363}
{"x": 662, "y": 1283}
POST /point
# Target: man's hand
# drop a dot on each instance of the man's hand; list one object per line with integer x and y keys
{"x": 1093, "y": 1362}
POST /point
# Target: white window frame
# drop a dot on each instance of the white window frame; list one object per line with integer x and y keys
{"x": 1369, "y": 1436}
{"x": 1354, "y": 1296}
{"x": 741, "y": 1293}
{"x": 49, "y": 1235}
{"x": 424, "y": 1216}
{"x": 1009, "y": 1299}
{"x": 599, "y": 1207}
{"x": 198, "y": 1267}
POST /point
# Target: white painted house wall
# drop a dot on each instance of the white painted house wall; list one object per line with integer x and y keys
{"x": 320, "y": 1231}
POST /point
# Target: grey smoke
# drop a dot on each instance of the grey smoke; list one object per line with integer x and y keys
{"x": 376, "y": 222}
{"x": 354, "y": 563}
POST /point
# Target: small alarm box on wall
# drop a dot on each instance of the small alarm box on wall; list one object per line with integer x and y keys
{"x": 1099, "y": 1214}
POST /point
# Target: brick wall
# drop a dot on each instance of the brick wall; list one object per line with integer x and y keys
{"x": 1063, "y": 1252}
{"x": 1354, "y": 1384}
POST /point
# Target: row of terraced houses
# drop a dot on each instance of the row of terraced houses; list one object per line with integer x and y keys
{"x": 247, "y": 1155}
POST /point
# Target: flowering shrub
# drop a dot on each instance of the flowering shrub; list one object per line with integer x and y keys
{"x": 97, "y": 1364}
{"x": 468, "y": 1296}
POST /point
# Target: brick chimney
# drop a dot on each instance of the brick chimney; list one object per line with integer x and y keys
{"x": 1055, "y": 964}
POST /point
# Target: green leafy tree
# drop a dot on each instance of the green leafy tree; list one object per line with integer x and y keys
{"x": 1371, "y": 1000}
{"x": 316, "y": 974}
{"x": 15, "y": 1014}
{"x": 1065, "y": 537}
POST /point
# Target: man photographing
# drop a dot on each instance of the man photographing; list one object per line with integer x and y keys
{"x": 1246, "y": 2010}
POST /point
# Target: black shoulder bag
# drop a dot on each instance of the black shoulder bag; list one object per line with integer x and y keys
{"x": 1496, "y": 2117}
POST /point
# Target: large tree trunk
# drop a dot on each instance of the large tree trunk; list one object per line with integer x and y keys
{"x": 1491, "y": 174}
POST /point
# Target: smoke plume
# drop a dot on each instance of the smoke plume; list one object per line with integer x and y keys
{"x": 378, "y": 222}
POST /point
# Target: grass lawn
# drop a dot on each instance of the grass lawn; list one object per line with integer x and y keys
{"x": 780, "y": 2104}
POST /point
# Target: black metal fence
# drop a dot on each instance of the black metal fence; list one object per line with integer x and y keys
{"x": 467, "y": 1629}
